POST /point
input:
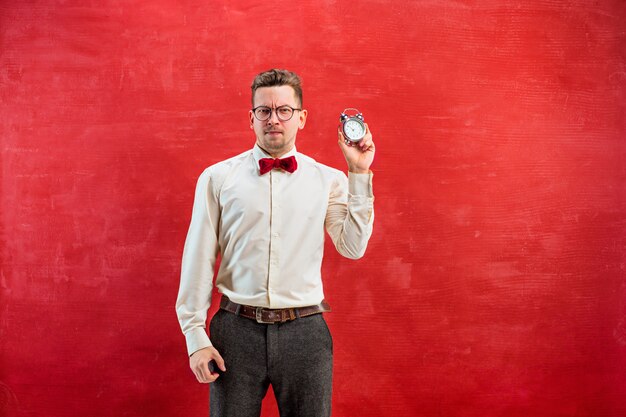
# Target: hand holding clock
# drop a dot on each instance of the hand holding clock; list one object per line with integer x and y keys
{"x": 359, "y": 155}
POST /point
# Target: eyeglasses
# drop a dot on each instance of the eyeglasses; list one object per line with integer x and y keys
{"x": 284, "y": 113}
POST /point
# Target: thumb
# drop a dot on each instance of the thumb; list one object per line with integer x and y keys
{"x": 341, "y": 140}
{"x": 219, "y": 361}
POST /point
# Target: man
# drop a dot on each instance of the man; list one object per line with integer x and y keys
{"x": 265, "y": 212}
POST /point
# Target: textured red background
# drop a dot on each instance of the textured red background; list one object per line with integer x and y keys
{"x": 495, "y": 281}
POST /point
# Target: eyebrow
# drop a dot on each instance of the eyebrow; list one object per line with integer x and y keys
{"x": 270, "y": 107}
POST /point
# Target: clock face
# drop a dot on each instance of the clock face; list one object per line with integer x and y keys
{"x": 354, "y": 129}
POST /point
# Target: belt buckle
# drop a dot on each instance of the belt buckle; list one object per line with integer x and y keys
{"x": 259, "y": 316}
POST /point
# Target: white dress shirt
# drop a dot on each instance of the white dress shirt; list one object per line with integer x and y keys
{"x": 269, "y": 230}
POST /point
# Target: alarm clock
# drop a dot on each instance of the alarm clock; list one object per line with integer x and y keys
{"x": 352, "y": 126}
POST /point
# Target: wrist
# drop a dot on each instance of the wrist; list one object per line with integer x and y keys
{"x": 358, "y": 171}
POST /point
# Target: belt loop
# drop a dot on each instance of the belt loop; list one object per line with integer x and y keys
{"x": 238, "y": 309}
{"x": 292, "y": 316}
{"x": 297, "y": 310}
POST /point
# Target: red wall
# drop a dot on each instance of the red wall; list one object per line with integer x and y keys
{"x": 495, "y": 281}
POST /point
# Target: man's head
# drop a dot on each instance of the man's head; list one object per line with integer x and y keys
{"x": 277, "y": 113}
{"x": 275, "y": 78}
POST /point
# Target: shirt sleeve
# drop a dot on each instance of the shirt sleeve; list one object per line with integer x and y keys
{"x": 199, "y": 256}
{"x": 350, "y": 214}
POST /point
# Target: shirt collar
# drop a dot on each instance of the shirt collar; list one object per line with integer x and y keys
{"x": 259, "y": 153}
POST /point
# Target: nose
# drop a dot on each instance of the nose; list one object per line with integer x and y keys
{"x": 273, "y": 117}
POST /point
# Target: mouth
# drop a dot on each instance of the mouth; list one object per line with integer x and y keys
{"x": 273, "y": 132}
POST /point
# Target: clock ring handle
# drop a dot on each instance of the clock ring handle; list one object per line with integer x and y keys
{"x": 351, "y": 108}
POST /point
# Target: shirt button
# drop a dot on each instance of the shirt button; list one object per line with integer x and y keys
{"x": 275, "y": 234}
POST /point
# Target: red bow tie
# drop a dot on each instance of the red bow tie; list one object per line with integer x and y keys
{"x": 288, "y": 164}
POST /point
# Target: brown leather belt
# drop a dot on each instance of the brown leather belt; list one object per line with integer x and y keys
{"x": 272, "y": 315}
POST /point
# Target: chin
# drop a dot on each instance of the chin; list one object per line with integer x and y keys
{"x": 273, "y": 144}
{"x": 277, "y": 143}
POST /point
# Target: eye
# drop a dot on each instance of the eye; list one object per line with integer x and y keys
{"x": 284, "y": 111}
{"x": 263, "y": 111}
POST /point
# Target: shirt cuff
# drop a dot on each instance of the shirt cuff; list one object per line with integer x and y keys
{"x": 360, "y": 184}
{"x": 197, "y": 339}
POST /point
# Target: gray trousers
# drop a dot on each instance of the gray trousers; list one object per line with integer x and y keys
{"x": 296, "y": 357}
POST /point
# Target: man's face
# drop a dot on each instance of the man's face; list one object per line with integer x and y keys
{"x": 273, "y": 135}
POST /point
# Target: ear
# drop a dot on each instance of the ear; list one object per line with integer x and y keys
{"x": 251, "y": 116}
{"x": 302, "y": 120}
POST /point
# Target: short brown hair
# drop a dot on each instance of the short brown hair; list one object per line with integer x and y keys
{"x": 277, "y": 77}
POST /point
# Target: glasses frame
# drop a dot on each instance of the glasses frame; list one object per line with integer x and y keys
{"x": 275, "y": 110}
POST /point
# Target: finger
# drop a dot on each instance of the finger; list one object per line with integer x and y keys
{"x": 219, "y": 361}
{"x": 368, "y": 145}
{"x": 202, "y": 371}
{"x": 368, "y": 133}
{"x": 201, "y": 379}
{"x": 343, "y": 142}
{"x": 365, "y": 143}
{"x": 340, "y": 137}
{"x": 212, "y": 377}
{"x": 367, "y": 139}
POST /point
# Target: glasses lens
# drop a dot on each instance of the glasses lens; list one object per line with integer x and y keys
{"x": 284, "y": 113}
{"x": 262, "y": 113}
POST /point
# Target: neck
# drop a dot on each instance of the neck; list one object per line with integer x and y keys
{"x": 275, "y": 154}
